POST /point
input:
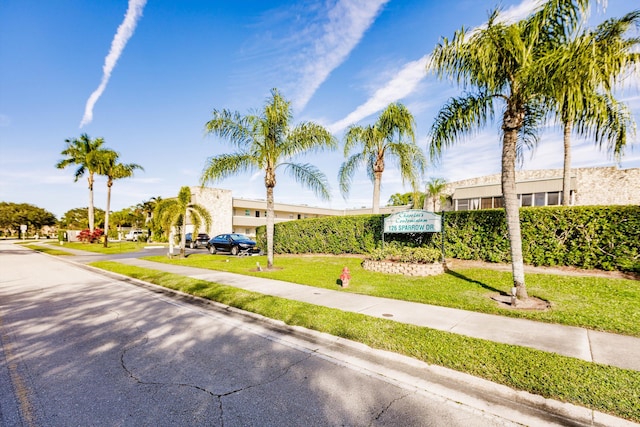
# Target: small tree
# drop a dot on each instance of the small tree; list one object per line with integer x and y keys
{"x": 435, "y": 187}
{"x": 415, "y": 200}
{"x": 106, "y": 163}
{"x": 78, "y": 218}
{"x": 179, "y": 212}
{"x": 78, "y": 152}
{"x": 392, "y": 136}
{"x": 267, "y": 142}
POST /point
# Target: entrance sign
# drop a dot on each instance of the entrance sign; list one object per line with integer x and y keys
{"x": 413, "y": 221}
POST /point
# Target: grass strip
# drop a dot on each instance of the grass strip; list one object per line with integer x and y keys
{"x": 603, "y": 388}
{"x": 598, "y": 303}
{"x": 46, "y": 249}
{"x": 113, "y": 247}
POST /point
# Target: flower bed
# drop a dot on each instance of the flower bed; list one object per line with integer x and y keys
{"x": 404, "y": 268}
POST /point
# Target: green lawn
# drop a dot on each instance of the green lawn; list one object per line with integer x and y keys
{"x": 592, "y": 302}
{"x": 603, "y": 388}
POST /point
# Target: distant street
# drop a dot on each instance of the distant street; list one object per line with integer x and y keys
{"x": 82, "y": 349}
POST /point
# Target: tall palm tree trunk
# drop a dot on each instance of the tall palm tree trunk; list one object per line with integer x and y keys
{"x": 270, "y": 226}
{"x": 377, "y": 179}
{"x": 512, "y": 209}
{"x": 106, "y": 214}
{"x": 566, "y": 173}
{"x": 183, "y": 233}
{"x": 90, "y": 212}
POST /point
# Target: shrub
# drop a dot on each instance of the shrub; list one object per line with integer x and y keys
{"x": 86, "y": 236}
{"x": 604, "y": 237}
{"x": 398, "y": 253}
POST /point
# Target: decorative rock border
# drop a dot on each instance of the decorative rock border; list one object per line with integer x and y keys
{"x": 404, "y": 268}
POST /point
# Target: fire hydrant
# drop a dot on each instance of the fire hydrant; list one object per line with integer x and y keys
{"x": 345, "y": 277}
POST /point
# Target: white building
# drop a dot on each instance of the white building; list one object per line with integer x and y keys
{"x": 589, "y": 186}
{"x": 229, "y": 214}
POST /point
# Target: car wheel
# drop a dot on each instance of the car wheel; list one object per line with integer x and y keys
{"x": 212, "y": 250}
{"x": 235, "y": 250}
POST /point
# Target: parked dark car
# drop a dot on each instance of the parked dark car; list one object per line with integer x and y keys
{"x": 233, "y": 243}
{"x": 200, "y": 242}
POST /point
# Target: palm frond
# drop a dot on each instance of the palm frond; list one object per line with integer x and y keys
{"x": 458, "y": 117}
{"x": 528, "y": 136}
{"x": 308, "y": 137}
{"x": 227, "y": 165}
{"x": 609, "y": 122}
{"x": 232, "y": 126}
{"x": 347, "y": 169}
{"x": 411, "y": 162}
{"x": 310, "y": 177}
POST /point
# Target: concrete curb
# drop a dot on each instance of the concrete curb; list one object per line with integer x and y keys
{"x": 484, "y": 396}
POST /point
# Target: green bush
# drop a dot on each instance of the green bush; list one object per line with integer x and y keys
{"x": 603, "y": 237}
{"x": 395, "y": 252}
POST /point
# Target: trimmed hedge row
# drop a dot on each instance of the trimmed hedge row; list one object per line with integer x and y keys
{"x": 604, "y": 237}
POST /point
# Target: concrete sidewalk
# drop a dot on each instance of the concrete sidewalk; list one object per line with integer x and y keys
{"x": 600, "y": 347}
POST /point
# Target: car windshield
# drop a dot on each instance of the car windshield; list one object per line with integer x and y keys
{"x": 240, "y": 238}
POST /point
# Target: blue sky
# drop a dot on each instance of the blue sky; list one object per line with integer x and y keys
{"x": 147, "y": 80}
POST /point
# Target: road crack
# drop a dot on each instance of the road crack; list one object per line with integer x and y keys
{"x": 386, "y": 408}
{"x": 216, "y": 397}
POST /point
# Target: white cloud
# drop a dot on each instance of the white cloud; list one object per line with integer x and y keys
{"x": 400, "y": 86}
{"x": 123, "y": 34}
{"x": 407, "y": 79}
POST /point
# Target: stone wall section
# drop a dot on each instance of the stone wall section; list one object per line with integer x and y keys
{"x": 219, "y": 204}
{"x": 607, "y": 186}
{"x": 595, "y": 186}
{"x": 404, "y": 268}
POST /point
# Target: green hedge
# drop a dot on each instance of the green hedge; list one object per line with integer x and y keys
{"x": 603, "y": 237}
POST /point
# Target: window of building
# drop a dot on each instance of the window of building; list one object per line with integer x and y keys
{"x": 290, "y": 216}
{"x": 497, "y": 202}
{"x": 247, "y": 212}
{"x": 526, "y": 199}
{"x": 539, "y": 199}
{"x": 553, "y": 198}
{"x": 299, "y": 216}
{"x": 257, "y": 214}
{"x": 486, "y": 203}
{"x": 463, "y": 204}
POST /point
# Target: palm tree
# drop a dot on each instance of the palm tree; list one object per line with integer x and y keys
{"x": 584, "y": 71}
{"x": 387, "y": 137}
{"x": 147, "y": 207}
{"x": 106, "y": 162}
{"x": 78, "y": 153}
{"x": 179, "y": 212}
{"x": 435, "y": 187}
{"x": 267, "y": 142}
{"x": 502, "y": 62}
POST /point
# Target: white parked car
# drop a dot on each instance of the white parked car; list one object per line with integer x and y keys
{"x": 133, "y": 235}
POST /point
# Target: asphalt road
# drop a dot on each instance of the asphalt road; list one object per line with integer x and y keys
{"x": 82, "y": 349}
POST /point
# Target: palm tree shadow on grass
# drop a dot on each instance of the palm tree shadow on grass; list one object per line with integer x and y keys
{"x": 476, "y": 282}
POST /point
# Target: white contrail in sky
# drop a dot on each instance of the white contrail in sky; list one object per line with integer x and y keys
{"x": 348, "y": 21}
{"x": 411, "y": 74}
{"x": 124, "y": 33}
